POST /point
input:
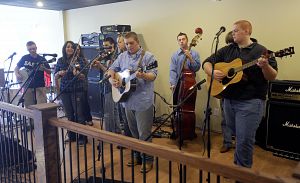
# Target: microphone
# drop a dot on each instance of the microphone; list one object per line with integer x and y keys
{"x": 48, "y": 54}
{"x": 49, "y": 61}
{"x": 197, "y": 85}
{"x": 222, "y": 29}
{"x": 106, "y": 77}
{"x": 12, "y": 55}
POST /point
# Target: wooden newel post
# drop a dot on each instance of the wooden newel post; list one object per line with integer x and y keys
{"x": 46, "y": 143}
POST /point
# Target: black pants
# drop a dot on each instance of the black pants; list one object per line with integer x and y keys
{"x": 74, "y": 109}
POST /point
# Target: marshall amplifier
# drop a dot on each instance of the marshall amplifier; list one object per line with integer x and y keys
{"x": 90, "y": 39}
{"x": 283, "y": 128}
{"x": 284, "y": 90}
{"x": 115, "y": 28}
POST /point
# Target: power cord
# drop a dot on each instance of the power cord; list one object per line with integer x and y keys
{"x": 162, "y": 98}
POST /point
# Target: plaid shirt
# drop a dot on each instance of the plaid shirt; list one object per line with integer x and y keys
{"x": 78, "y": 84}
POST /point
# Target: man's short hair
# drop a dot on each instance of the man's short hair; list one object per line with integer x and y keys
{"x": 132, "y": 35}
{"x": 29, "y": 43}
{"x": 182, "y": 34}
{"x": 245, "y": 25}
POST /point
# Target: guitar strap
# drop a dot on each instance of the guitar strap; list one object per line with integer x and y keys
{"x": 141, "y": 58}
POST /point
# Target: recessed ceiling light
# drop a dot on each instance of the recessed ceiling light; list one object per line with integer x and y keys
{"x": 40, "y": 4}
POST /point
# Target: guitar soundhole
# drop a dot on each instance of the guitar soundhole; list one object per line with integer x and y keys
{"x": 123, "y": 82}
{"x": 225, "y": 81}
{"x": 231, "y": 73}
{"x": 122, "y": 87}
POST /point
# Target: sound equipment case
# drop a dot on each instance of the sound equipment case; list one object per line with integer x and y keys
{"x": 283, "y": 119}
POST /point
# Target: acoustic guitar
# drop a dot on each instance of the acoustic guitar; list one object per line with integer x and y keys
{"x": 128, "y": 83}
{"x": 25, "y": 73}
{"x": 234, "y": 70}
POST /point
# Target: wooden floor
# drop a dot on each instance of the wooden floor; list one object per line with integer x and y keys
{"x": 264, "y": 161}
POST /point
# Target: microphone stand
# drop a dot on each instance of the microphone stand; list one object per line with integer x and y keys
{"x": 192, "y": 89}
{"x": 208, "y": 108}
{"x": 6, "y": 82}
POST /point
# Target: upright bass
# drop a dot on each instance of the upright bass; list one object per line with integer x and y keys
{"x": 185, "y": 116}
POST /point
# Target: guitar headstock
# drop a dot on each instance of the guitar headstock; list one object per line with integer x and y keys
{"x": 151, "y": 66}
{"x": 284, "y": 52}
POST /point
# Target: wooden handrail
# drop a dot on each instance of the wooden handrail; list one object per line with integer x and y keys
{"x": 175, "y": 155}
{"x": 16, "y": 109}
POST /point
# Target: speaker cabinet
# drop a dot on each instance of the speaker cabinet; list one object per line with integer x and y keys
{"x": 95, "y": 98}
{"x": 283, "y": 127}
{"x": 95, "y": 95}
{"x": 89, "y": 52}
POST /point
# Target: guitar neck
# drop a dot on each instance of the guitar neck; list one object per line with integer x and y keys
{"x": 147, "y": 68}
{"x": 249, "y": 64}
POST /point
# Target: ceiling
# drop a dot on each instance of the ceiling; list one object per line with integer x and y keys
{"x": 58, "y": 4}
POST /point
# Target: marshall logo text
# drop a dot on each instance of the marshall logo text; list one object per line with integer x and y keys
{"x": 291, "y": 125}
{"x": 293, "y": 90}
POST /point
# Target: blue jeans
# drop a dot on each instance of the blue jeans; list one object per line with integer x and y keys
{"x": 243, "y": 118}
{"x": 140, "y": 125}
{"x": 226, "y": 131}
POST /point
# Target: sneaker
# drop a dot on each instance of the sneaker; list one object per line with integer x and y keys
{"x": 90, "y": 123}
{"x": 136, "y": 161}
{"x": 148, "y": 167}
{"x": 224, "y": 149}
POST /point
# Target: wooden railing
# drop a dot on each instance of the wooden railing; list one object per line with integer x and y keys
{"x": 232, "y": 172}
{"x": 47, "y": 150}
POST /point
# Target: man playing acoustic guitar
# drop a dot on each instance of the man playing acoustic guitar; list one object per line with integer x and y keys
{"x": 36, "y": 92}
{"x": 139, "y": 103}
{"x": 244, "y": 100}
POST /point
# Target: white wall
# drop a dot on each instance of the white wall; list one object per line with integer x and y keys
{"x": 275, "y": 25}
{"x": 19, "y": 25}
